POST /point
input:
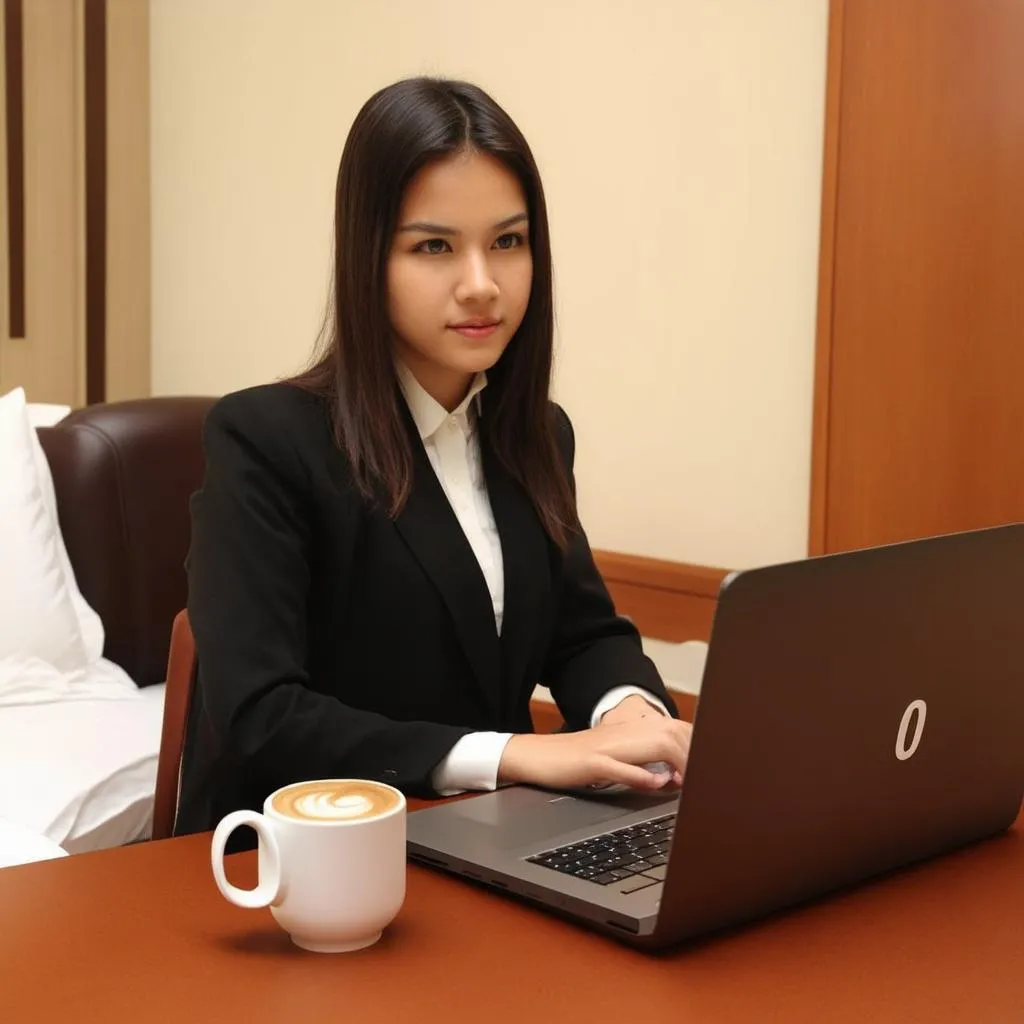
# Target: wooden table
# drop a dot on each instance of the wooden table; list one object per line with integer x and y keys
{"x": 141, "y": 934}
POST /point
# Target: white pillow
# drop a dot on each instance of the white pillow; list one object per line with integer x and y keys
{"x": 41, "y": 414}
{"x": 44, "y": 414}
{"x": 43, "y": 652}
{"x": 37, "y": 618}
{"x": 90, "y": 625}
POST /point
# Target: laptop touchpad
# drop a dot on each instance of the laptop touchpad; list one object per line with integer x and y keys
{"x": 522, "y": 816}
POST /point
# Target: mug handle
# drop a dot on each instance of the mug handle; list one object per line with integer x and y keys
{"x": 269, "y": 886}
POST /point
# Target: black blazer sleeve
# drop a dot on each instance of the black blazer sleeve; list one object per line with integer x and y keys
{"x": 593, "y": 649}
{"x": 249, "y": 574}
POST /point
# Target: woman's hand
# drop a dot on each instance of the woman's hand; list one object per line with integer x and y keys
{"x": 612, "y": 752}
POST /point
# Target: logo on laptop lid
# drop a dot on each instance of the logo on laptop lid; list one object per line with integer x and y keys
{"x": 916, "y": 712}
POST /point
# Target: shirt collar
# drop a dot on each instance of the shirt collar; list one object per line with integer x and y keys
{"x": 428, "y": 414}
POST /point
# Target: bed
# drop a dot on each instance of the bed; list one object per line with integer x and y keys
{"x": 80, "y": 725}
{"x": 82, "y": 773}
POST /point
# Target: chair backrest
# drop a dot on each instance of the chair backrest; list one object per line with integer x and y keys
{"x": 123, "y": 473}
{"x": 181, "y": 679}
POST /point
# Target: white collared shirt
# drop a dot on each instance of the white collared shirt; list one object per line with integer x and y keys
{"x": 453, "y": 448}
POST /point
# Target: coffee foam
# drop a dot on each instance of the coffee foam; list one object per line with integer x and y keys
{"x": 335, "y": 801}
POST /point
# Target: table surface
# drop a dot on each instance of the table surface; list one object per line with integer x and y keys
{"x": 141, "y": 934}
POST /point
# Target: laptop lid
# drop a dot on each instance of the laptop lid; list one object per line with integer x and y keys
{"x": 858, "y": 712}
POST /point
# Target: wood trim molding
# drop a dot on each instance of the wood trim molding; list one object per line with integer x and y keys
{"x": 14, "y": 121}
{"x": 682, "y": 577}
{"x": 671, "y": 601}
{"x": 817, "y": 533}
{"x": 95, "y": 201}
{"x": 128, "y": 248}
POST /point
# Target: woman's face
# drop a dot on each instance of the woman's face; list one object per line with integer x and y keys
{"x": 459, "y": 271}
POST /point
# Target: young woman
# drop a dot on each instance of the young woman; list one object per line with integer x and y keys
{"x": 386, "y": 556}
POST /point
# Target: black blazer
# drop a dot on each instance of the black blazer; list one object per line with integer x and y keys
{"x": 334, "y": 642}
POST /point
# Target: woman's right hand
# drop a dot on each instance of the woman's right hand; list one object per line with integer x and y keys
{"x": 608, "y": 753}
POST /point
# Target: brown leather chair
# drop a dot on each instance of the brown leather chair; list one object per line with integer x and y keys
{"x": 123, "y": 473}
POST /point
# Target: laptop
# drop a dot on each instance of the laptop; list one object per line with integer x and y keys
{"x": 858, "y": 712}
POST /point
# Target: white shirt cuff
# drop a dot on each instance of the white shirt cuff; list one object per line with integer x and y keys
{"x": 471, "y": 764}
{"x": 617, "y": 695}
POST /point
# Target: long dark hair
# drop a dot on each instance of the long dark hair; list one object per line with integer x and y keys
{"x": 400, "y": 130}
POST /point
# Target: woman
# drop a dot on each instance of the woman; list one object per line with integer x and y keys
{"x": 386, "y": 556}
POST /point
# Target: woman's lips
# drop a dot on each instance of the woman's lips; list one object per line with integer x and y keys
{"x": 476, "y": 329}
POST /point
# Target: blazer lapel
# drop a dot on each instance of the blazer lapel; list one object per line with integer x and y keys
{"x": 526, "y": 556}
{"x": 430, "y": 528}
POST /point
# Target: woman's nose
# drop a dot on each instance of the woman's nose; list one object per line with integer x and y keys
{"x": 476, "y": 283}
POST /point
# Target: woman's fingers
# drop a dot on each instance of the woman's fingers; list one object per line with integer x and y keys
{"x": 610, "y": 754}
{"x": 631, "y": 775}
{"x": 669, "y": 743}
{"x": 681, "y": 732}
{"x": 661, "y": 744}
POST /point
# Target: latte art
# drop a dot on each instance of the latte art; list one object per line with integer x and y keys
{"x": 335, "y": 801}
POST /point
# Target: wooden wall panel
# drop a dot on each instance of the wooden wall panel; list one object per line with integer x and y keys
{"x": 669, "y": 601}
{"x": 128, "y": 260}
{"x": 920, "y": 409}
{"x": 49, "y": 359}
{"x": 81, "y": 102}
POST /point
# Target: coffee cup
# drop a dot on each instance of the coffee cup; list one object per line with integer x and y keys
{"x": 331, "y": 861}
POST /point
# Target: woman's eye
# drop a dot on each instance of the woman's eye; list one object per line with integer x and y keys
{"x": 510, "y": 241}
{"x": 433, "y": 247}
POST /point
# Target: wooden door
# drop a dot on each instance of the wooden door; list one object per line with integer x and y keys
{"x": 919, "y": 414}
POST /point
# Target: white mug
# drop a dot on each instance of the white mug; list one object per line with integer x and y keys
{"x": 331, "y": 861}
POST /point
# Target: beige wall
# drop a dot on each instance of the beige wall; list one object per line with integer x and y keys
{"x": 680, "y": 143}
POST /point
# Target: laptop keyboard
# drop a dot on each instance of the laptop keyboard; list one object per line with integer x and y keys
{"x": 637, "y": 854}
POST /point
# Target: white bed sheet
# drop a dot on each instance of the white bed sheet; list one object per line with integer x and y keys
{"x": 20, "y": 846}
{"x": 82, "y": 773}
